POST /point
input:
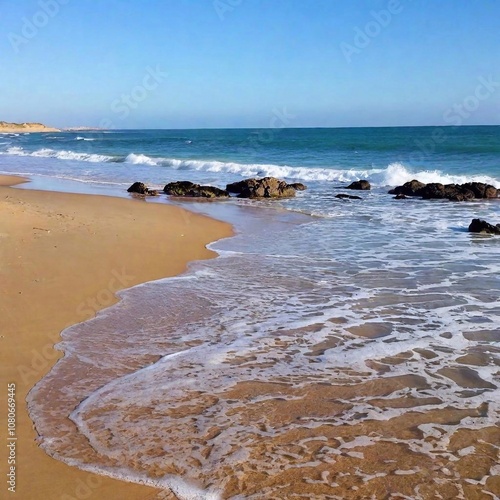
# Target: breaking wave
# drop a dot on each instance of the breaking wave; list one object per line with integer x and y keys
{"x": 60, "y": 155}
{"x": 394, "y": 174}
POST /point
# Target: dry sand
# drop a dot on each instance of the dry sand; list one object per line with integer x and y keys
{"x": 62, "y": 257}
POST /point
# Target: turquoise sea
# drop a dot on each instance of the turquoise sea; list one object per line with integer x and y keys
{"x": 384, "y": 155}
{"x": 334, "y": 349}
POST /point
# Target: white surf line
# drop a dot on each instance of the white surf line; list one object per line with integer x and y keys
{"x": 181, "y": 488}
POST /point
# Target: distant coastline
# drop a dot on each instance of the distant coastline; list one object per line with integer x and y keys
{"x": 6, "y": 127}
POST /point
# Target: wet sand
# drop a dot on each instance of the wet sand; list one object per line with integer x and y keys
{"x": 62, "y": 258}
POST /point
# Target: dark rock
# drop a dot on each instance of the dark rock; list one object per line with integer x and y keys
{"x": 178, "y": 188}
{"x": 359, "y": 185}
{"x": 458, "y": 193}
{"x": 298, "y": 186}
{"x": 410, "y": 188}
{"x": 400, "y": 197}
{"x": 343, "y": 196}
{"x": 481, "y": 190}
{"x": 481, "y": 226}
{"x": 191, "y": 190}
{"x": 434, "y": 190}
{"x": 208, "y": 192}
{"x": 140, "y": 188}
{"x": 268, "y": 187}
{"x": 452, "y": 192}
{"x": 237, "y": 187}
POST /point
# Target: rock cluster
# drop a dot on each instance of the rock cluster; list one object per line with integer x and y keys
{"x": 452, "y": 192}
{"x": 268, "y": 187}
{"x": 481, "y": 226}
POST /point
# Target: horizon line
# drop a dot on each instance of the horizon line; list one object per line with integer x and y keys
{"x": 96, "y": 129}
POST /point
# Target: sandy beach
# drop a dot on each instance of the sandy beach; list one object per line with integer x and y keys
{"x": 62, "y": 257}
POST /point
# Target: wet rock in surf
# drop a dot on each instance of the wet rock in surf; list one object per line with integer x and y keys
{"x": 458, "y": 193}
{"x": 191, "y": 190}
{"x": 298, "y": 186}
{"x": 481, "y": 226}
{"x": 141, "y": 188}
{"x": 208, "y": 192}
{"x": 481, "y": 190}
{"x": 452, "y": 192}
{"x": 410, "y": 188}
{"x": 361, "y": 185}
{"x": 400, "y": 197}
{"x": 344, "y": 196}
{"x": 434, "y": 190}
{"x": 178, "y": 188}
{"x": 268, "y": 187}
{"x": 239, "y": 186}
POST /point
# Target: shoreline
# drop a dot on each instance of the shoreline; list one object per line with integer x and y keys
{"x": 63, "y": 258}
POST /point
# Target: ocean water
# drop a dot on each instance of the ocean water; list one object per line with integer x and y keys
{"x": 334, "y": 349}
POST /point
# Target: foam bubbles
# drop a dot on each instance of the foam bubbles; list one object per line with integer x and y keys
{"x": 59, "y": 155}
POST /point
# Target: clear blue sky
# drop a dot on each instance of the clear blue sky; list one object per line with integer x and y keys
{"x": 230, "y": 63}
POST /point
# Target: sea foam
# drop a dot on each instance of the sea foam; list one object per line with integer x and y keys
{"x": 59, "y": 155}
{"x": 394, "y": 174}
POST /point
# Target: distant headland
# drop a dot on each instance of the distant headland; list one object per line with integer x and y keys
{"x": 6, "y": 127}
